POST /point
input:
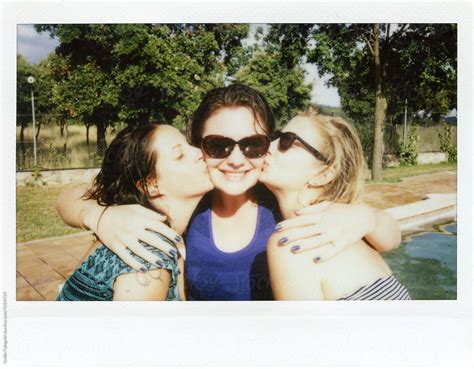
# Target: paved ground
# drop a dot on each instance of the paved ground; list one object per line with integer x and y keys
{"x": 43, "y": 265}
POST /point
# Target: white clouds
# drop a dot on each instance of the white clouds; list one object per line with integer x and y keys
{"x": 32, "y": 45}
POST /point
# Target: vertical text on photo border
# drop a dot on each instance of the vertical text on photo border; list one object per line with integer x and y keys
{"x": 5, "y": 329}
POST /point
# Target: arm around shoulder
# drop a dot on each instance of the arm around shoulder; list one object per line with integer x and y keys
{"x": 76, "y": 211}
{"x": 386, "y": 234}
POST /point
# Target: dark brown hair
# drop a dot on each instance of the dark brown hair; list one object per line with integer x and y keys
{"x": 129, "y": 163}
{"x": 235, "y": 95}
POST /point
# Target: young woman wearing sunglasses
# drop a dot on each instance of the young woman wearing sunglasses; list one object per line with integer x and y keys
{"x": 227, "y": 236}
{"x": 319, "y": 158}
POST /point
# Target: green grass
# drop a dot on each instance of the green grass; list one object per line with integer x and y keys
{"x": 396, "y": 174}
{"x": 36, "y": 216}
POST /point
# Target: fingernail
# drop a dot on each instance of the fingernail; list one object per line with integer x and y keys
{"x": 297, "y": 212}
{"x": 282, "y": 241}
{"x": 278, "y": 227}
{"x": 159, "y": 263}
{"x": 177, "y": 239}
{"x": 143, "y": 269}
{"x": 316, "y": 259}
{"x": 173, "y": 253}
{"x": 295, "y": 248}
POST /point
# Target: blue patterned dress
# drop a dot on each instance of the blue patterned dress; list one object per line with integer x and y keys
{"x": 93, "y": 280}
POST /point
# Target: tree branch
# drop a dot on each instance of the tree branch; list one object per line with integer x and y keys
{"x": 388, "y": 33}
{"x": 371, "y": 49}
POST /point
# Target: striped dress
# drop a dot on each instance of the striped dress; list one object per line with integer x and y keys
{"x": 388, "y": 288}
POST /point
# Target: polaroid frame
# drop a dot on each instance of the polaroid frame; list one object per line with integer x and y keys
{"x": 382, "y": 333}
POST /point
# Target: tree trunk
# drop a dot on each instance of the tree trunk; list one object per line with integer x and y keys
{"x": 101, "y": 143}
{"x": 380, "y": 110}
{"x": 38, "y": 129}
{"x": 87, "y": 134}
{"x": 61, "y": 129}
{"x": 22, "y": 133}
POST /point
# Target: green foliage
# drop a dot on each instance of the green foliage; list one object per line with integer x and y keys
{"x": 418, "y": 64}
{"x": 366, "y": 137}
{"x": 446, "y": 143}
{"x": 41, "y": 89}
{"x": 284, "y": 89}
{"x": 409, "y": 151}
{"x": 275, "y": 70}
{"x": 137, "y": 73}
{"x": 36, "y": 178}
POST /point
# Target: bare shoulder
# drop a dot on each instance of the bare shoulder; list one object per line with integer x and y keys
{"x": 273, "y": 240}
{"x": 136, "y": 286}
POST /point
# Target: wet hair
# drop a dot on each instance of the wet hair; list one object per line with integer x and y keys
{"x": 345, "y": 156}
{"x": 233, "y": 96}
{"x": 128, "y": 165}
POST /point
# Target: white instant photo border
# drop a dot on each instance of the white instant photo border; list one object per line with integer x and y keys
{"x": 396, "y": 333}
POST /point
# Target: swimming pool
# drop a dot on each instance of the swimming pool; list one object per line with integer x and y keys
{"x": 425, "y": 262}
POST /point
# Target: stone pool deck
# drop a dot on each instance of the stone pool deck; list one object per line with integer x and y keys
{"x": 42, "y": 265}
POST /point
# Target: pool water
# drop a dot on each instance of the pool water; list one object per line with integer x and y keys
{"x": 425, "y": 262}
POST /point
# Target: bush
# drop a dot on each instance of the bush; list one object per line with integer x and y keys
{"x": 446, "y": 143}
{"x": 409, "y": 151}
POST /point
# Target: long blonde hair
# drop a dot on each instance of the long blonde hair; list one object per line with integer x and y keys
{"x": 345, "y": 158}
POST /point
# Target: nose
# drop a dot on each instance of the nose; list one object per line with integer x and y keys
{"x": 236, "y": 158}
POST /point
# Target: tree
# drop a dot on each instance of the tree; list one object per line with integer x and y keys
{"x": 137, "y": 73}
{"x": 275, "y": 70}
{"x": 42, "y": 94}
{"x": 377, "y": 67}
{"x": 23, "y": 92}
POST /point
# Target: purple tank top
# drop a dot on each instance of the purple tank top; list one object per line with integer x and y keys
{"x": 212, "y": 274}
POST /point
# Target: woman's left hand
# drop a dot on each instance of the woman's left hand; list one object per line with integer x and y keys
{"x": 326, "y": 229}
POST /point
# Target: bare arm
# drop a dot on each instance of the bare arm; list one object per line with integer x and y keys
{"x": 332, "y": 227}
{"x": 70, "y": 206}
{"x": 386, "y": 234}
{"x": 120, "y": 228}
{"x": 142, "y": 287}
{"x": 181, "y": 285}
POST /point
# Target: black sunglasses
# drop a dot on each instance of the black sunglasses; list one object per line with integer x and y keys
{"x": 220, "y": 147}
{"x": 286, "y": 140}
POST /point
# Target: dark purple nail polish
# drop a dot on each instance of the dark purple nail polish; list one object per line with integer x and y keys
{"x": 173, "y": 253}
{"x": 159, "y": 263}
{"x": 316, "y": 259}
{"x": 295, "y": 248}
{"x": 282, "y": 241}
{"x": 278, "y": 227}
{"x": 177, "y": 239}
{"x": 143, "y": 270}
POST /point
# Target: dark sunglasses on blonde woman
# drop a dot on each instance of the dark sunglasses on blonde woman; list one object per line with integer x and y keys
{"x": 287, "y": 139}
{"x": 220, "y": 147}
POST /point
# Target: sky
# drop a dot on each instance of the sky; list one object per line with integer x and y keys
{"x": 36, "y": 46}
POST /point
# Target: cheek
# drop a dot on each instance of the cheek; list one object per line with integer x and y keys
{"x": 212, "y": 163}
{"x": 257, "y": 163}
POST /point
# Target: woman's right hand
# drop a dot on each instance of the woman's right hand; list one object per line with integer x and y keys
{"x": 121, "y": 227}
